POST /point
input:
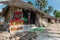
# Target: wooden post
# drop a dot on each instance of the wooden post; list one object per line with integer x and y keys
{"x": 29, "y": 17}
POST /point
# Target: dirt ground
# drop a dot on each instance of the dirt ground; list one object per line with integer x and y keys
{"x": 47, "y": 36}
{"x": 29, "y": 36}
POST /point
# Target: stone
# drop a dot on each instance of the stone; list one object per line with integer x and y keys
{"x": 17, "y": 38}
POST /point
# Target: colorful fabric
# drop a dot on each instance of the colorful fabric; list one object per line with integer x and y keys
{"x": 25, "y": 19}
{"x": 17, "y": 15}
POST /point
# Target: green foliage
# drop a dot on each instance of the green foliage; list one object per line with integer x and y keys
{"x": 49, "y": 10}
{"x": 37, "y": 29}
{"x": 56, "y": 13}
{"x": 41, "y": 4}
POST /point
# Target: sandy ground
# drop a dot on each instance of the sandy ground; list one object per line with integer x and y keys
{"x": 40, "y": 36}
{"x": 46, "y": 36}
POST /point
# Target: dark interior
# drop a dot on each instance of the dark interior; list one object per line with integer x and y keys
{"x": 49, "y": 20}
{"x": 32, "y": 16}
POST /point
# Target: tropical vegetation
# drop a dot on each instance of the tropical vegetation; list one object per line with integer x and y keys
{"x": 43, "y": 6}
{"x": 56, "y": 13}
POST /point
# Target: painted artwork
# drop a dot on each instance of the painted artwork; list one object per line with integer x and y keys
{"x": 17, "y": 15}
{"x": 16, "y": 23}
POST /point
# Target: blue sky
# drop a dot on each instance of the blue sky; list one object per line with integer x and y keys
{"x": 1, "y": 6}
{"x": 54, "y": 3}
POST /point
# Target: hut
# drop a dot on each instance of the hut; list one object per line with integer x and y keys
{"x": 33, "y": 15}
{"x": 28, "y": 11}
{"x": 13, "y": 6}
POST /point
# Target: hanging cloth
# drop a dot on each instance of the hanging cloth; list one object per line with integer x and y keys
{"x": 17, "y": 15}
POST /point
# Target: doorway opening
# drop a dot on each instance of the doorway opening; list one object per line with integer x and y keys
{"x": 30, "y": 15}
{"x": 49, "y": 21}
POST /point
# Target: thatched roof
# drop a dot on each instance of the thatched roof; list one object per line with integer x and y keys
{"x": 47, "y": 16}
{"x": 51, "y": 17}
{"x": 18, "y": 3}
{"x": 42, "y": 12}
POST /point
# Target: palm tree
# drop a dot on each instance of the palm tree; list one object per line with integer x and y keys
{"x": 49, "y": 10}
{"x": 55, "y": 12}
{"x": 41, "y": 4}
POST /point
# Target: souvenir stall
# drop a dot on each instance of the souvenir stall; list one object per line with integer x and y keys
{"x": 16, "y": 19}
{"x": 16, "y": 23}
{"x": 19, "y": 19}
